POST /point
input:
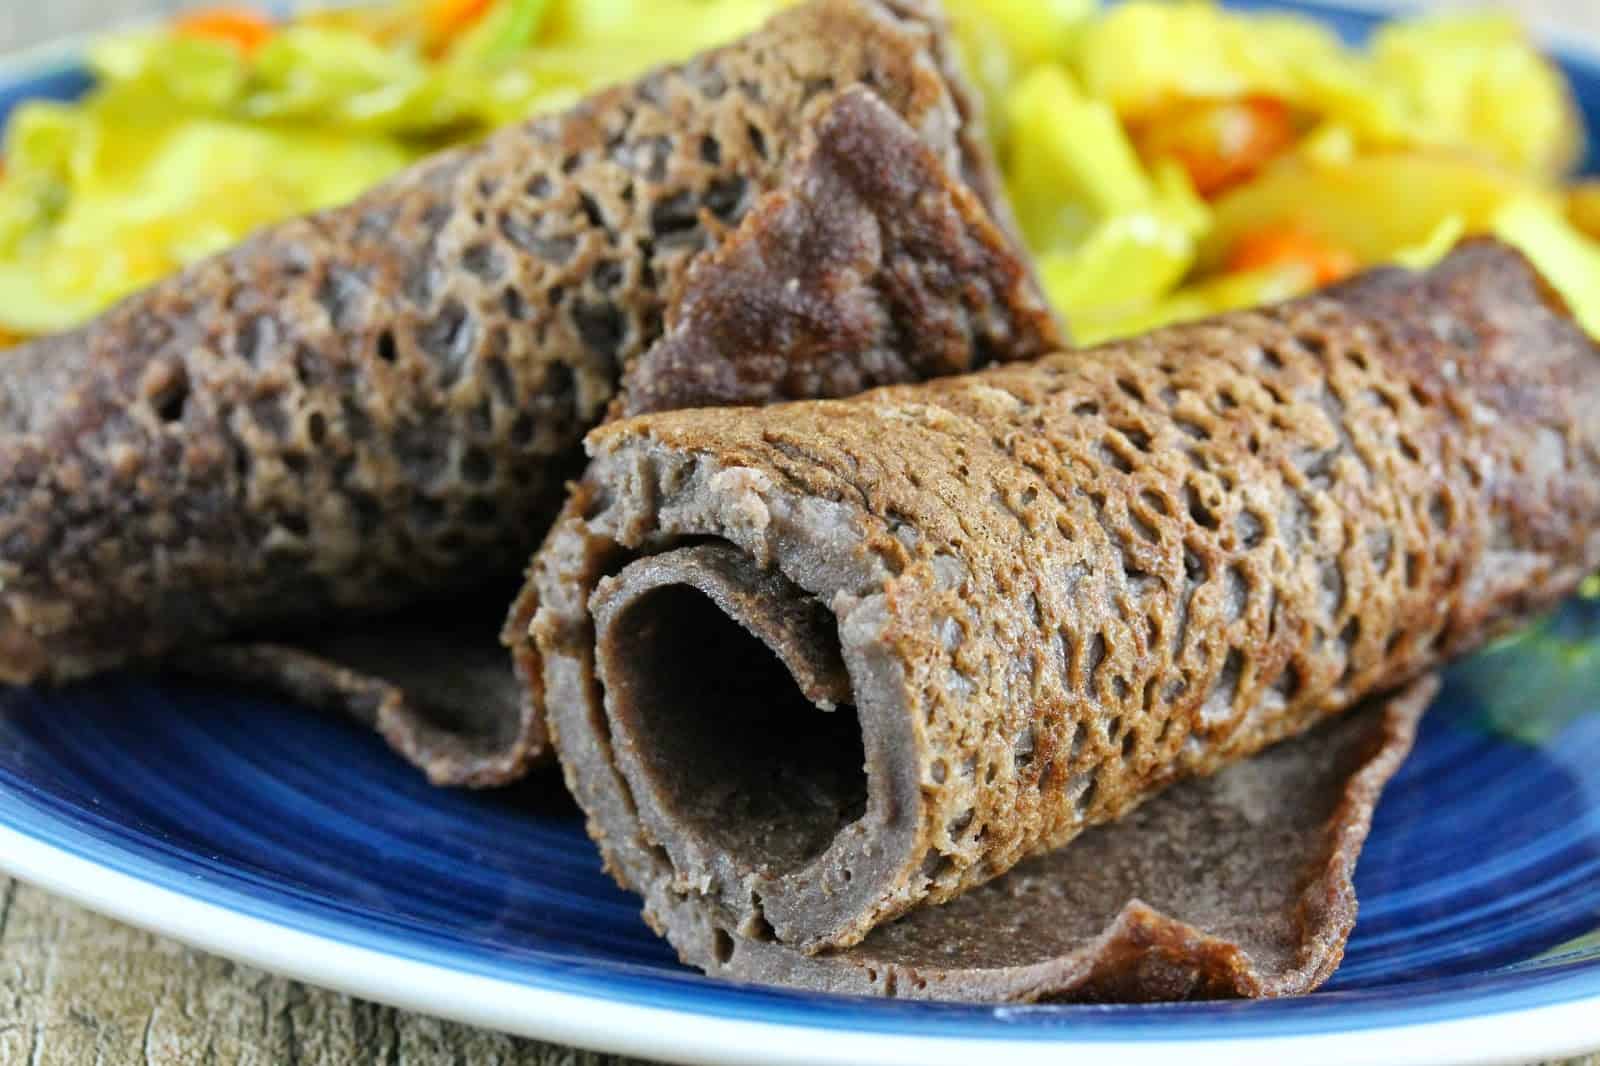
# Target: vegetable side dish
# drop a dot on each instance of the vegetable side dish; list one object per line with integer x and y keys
{"x": 1167, "y": 161}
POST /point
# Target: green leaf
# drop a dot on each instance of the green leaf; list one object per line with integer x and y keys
{"x": 1533, "y": 684}
{"x": 509, "y": 27}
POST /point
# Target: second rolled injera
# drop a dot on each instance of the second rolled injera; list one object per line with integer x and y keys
{"x": 817, "y": 667}
{"x": 377, "y": 407}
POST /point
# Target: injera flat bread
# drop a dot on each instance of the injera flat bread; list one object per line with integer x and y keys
{"x": 897, "y": 264}
{"x": 1004, "y": 608}
{"x": 432, "y": 680}
{"x": 1229, "y": 886}
{"x": 374, "y": 406}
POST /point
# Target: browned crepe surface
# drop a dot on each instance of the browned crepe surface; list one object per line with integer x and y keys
{"x": 1054, "y": 590}
{"x": 371, "y": 407}
{"x": 872, "y": 265}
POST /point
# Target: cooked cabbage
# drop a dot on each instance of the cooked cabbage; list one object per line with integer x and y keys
{"x": 1153, "y": 150}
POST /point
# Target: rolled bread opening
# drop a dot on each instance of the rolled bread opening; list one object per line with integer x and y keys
{"x": 734, "y": 722}
{"x": 736, "y": 752}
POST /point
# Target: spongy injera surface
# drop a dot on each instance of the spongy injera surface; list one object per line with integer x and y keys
{"x": 359, "y": 410}
{"x": 1074, "y": 582}
{"x": 360, "y": 404}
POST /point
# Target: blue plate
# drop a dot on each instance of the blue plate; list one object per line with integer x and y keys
{"x": 299, "y": 843}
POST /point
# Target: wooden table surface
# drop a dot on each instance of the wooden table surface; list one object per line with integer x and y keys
{"x": 77, "y": 988}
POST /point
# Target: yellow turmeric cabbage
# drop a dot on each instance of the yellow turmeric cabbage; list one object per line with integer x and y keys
{"x": 1166, "y": 158}
{"x": 1443, "y": 127}
{"x": 1471, "y": 82}
{"x": 1373, "y": 205}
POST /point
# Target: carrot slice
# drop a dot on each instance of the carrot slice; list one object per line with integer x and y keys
{"x": 239, "y": 26}
{"x": 447, "y": 19}
{"x": 1284, "y": 245}
{"x": 1221, "y": 143}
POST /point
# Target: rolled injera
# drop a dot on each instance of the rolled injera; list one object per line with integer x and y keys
{"x": 378, "y": 406}
{"x": 817, "y": 667}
